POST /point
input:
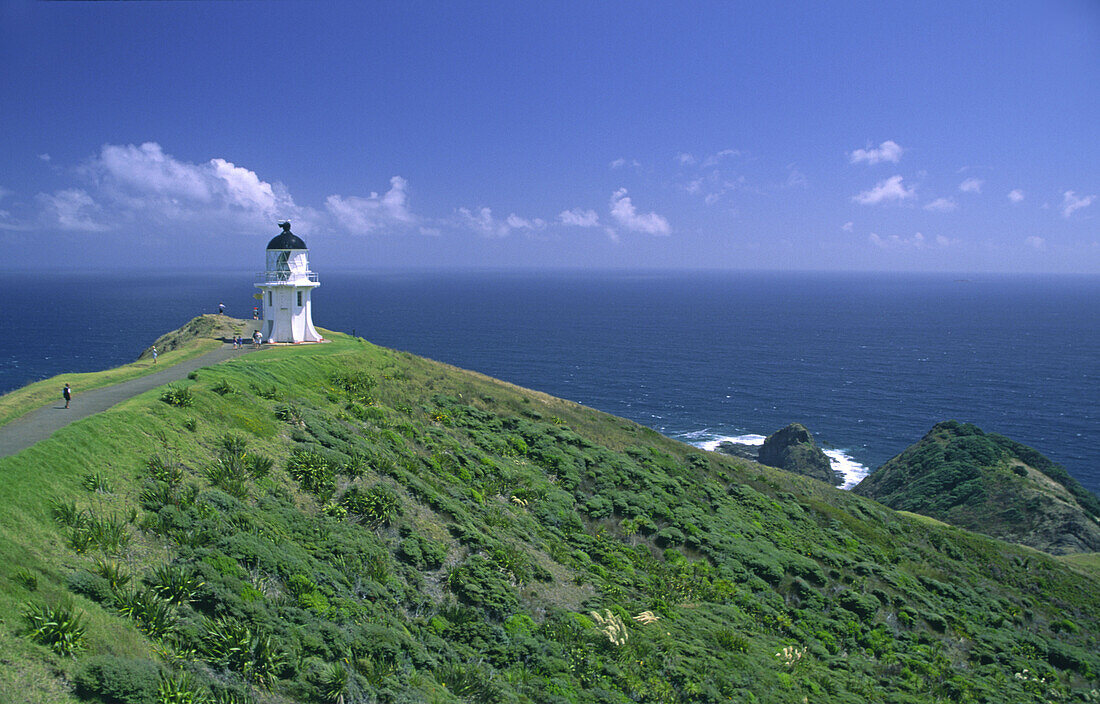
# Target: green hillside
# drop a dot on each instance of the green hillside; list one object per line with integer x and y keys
{"x": 346, "y": 523}
{"x": 988, "y": 483}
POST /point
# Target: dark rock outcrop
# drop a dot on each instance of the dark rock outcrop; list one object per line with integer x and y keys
{"x": 794, "y": 450}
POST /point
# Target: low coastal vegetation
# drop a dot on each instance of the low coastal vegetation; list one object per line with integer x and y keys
{"x": 988, "y": 483}
{"x": 346, "y": 523}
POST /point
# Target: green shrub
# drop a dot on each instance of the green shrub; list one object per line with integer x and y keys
{"x": 90, "y": 585}
{"x": 223, "y": 387}
{"x": 312, "y": 471}
{"x": 113, "y": 572}
{"x": 94, "y": 481}
{"x": 175, "y": 584}
{"x": 479, "y": 582}
{"x": 60, "y": 628}
{"x": 164, "y": 469}
{"x": 179, "y": 396}
{"x": 154, "y": 616}
{"x": 377, "y": 506}
{"x": 26, "y": 579}
{"x": 669, "y": 536}
{"x": 122, "y": 680}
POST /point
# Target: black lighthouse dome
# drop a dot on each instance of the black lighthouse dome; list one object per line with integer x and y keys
{"x": 286, "y": 239}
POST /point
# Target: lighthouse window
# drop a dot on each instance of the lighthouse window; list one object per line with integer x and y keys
{"x": 299, "y": 299}
{"x": 282, "y": 266}
{"x": 269, "y": 297}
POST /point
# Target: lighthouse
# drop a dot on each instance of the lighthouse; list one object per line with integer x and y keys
{"x": 285, "y": 287}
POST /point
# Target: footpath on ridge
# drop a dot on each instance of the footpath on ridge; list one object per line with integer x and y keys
{"x": 40, "y": 424}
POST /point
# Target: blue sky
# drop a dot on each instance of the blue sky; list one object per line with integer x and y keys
{"x": 932, "y": 136}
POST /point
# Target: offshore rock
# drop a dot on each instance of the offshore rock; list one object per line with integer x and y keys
{"x": 794, "y": 450}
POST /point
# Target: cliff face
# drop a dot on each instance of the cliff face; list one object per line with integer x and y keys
{"x": 987, "y": 483}
{"x": 794, "y": 450}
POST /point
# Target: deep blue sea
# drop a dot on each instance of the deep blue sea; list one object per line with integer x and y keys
{"x": 868, "y": 362}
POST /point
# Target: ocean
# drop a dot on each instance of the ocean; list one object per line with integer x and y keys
{"x": 867, "y": 362}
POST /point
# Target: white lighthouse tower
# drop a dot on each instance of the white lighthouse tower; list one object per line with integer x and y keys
{"x": 285, "y": 287}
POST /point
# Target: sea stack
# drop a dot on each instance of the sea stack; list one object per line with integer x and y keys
{"x": 285, "y": 287}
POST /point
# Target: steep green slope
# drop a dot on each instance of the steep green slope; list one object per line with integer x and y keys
{"x": 988, "y": 483}
{"x": 346, "y": 523}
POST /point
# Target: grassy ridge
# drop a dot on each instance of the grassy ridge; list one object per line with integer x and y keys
{"x": 347, "y": 523}
{"x": 199, "y": 336}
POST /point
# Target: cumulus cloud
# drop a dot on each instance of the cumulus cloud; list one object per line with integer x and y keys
{"x": 515, "y": 222}
{"x": 1036, "y": 243}
{"x": 72, "y": 209}
{"x": 891, "y": 189}
{"x": 130, "y": 183}
{"x": 887, "y": 151}
{"x": 375, "y": 212}
{"x": 971, "y": 185}
{"x": 942, "y": 205}
{"x": 624, "y": 213}
{"x": 620, "y": 163}
{"x": 917, "y": 241}
{"x": 484, "y": 223}
{"x": 1016, "y": 195}
{"x": 717, "y": 157}
{"x": 795, "y": 178}
{"x": 1072, "y": 202}
{"x": 579, "y": 218}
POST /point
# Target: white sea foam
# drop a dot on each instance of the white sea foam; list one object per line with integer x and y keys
{"x": 843, "y": 463}
{"x": 847, "y": 467}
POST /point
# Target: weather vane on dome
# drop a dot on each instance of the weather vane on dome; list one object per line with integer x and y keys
{"x": 285, "y": 224}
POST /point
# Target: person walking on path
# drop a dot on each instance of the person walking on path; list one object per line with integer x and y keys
{"x": 221, "y": 309}
{"x": 154, "y": 354}
{"x": 67, "y": 394}
{"x": 257, "y": 338}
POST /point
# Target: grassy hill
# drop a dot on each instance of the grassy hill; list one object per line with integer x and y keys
{"x": 346, "y": 523}
{"x": 991, "y": 484}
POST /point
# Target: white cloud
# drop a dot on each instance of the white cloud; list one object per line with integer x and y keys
{"x": 887, "y": 151}
{"x": 244, "y": 187}
{"x": 515, "y": 222}
{"x": 848, "y": 226}
{"x": 714, "y": 159}
{"x": 73, "y": 209}
{"x": 1016, "y": 195}
{"x": 884, "y": 191}
{"x": 579, "y": 218}
{"x": 483, "y": 222}
{"x": 1071, "y": 202}
{"x": 971, "y": 185}
{"x": 685, "y": 159}
{"x": 917, "y": 241}
{"x": 620, "y": 163}
{"x": 624, "y": 213}
{"x": 942, "y": 205}
{"x": 44, "y": 157}
{"x": 142, "y": 184}
{"x": 796, "y": 178}
{"x": 362, "y": 216}
{"x": 1036, "y": 243}
{"x": 148, "y": 170}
